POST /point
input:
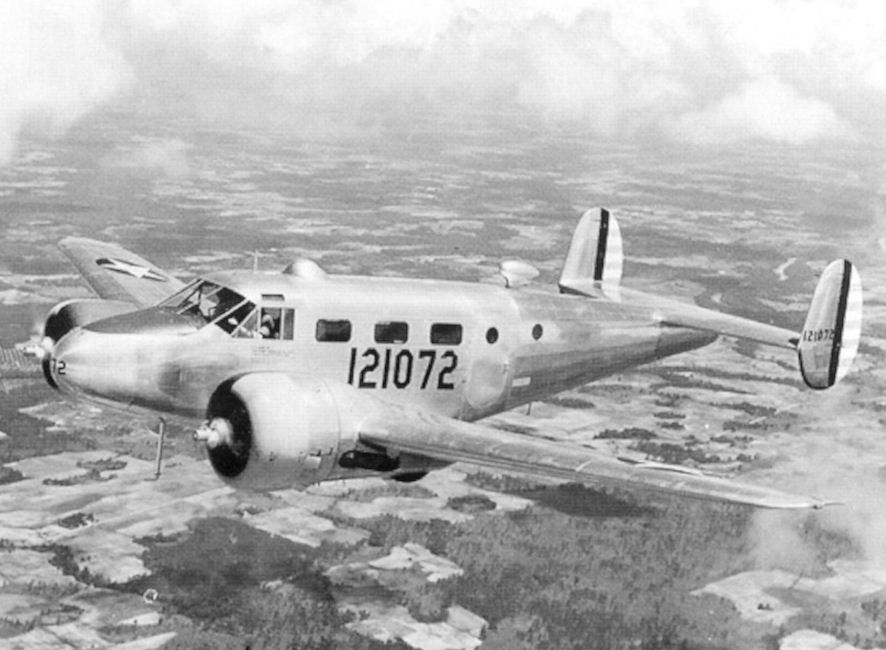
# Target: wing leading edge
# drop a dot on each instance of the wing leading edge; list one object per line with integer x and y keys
{"x": 114, "y": 273}
{"x": 425, "y": 434}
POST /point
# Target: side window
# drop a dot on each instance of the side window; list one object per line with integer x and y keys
{"x": 333, "y": 331}
{"x": 276, "y": 323}
{"x": 446, "y": 334}
{"x": 288, "y": 324}
{"x": 391, "y": 332}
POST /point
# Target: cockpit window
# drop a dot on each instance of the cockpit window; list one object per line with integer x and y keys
{"x": 274, "y": 323}
{"x": 235, "y": 318}
{"x": 211, "y": 303}
{"x": 248, "y": 327}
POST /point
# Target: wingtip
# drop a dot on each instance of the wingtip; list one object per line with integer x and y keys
{"x": 821, "y": 504}
{"x": 802, "y": 503}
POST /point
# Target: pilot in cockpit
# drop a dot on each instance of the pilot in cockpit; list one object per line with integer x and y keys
{"x": 270, "y": 323}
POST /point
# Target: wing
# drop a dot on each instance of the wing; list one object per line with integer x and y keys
{"x": 404, "y": 430}
{"x": 116, "y": 274}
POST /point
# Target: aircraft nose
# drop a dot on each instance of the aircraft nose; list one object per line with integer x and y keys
{"x": 68, "y": 352}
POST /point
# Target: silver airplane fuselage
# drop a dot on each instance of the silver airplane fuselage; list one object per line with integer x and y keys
{"x": 496, "y": 348}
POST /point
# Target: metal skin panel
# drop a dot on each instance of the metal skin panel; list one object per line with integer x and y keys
{"x": 150, "y": 360}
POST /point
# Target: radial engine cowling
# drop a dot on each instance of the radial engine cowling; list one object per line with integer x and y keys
{"x": 69, "y": 314}
{"x": 268, "y": 431}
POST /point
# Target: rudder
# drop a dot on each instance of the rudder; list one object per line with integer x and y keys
{"x": 594, "y": 261}
{"x": 831, "y": 333}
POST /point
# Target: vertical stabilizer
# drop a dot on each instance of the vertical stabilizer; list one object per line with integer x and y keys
{"x": 830, "y": 336}
{"x": 594, "y": 262}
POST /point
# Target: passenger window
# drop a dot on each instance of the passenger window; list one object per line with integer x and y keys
{"x": 446, "y": 334}
{"x": 333, "y": 331}
{"x": 391, "y": 332}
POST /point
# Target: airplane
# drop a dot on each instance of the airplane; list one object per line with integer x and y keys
{"x": 295, "y": 377}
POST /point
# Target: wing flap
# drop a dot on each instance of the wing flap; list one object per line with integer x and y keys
{"x": 114, "y": 273}
{"x": 425, "y": 434}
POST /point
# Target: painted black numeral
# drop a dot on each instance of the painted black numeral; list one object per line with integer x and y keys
{"x": 372, "y": 354}
{"x": 431, "y": 356}
{"x": 351, "y": 366}
{"x": 387, "y": 371}
{"x": 443, "y": 383}
{"x": 403, "y": 369}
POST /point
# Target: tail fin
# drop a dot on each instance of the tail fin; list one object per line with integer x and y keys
{"x": 830, "y": 336}
{"x": 593, "y": 264}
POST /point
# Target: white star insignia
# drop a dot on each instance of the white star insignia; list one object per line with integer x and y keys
{"x": 128, "y": 268}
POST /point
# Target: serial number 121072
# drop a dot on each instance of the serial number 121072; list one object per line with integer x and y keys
{"x": 374, "y": 368}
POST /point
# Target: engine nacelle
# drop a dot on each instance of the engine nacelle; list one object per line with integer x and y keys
{"x": 69, "y": 314}
{"x": 267, "y": 430}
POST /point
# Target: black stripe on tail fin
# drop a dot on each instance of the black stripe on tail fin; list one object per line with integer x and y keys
{"x": 594, "y": 262}
{"x": 602, "y": 238}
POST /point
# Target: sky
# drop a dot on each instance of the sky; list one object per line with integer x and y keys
{"x": 703, "y": 73}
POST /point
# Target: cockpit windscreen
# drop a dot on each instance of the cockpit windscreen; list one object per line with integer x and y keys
{"x": 208, "y": 302}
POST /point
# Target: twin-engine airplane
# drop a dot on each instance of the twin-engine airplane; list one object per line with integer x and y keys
{"x": 300, "y": 377}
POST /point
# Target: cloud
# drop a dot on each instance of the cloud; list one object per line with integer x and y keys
{"x": 54, "y": 66}
{"x": 843, "y": 461}
{"x": 765, "y": 109}
{"x": 151, "y": 156}
{"x": 703, "y": 72}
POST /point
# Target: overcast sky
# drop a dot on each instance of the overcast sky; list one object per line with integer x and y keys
{"x": 701, "y": 72}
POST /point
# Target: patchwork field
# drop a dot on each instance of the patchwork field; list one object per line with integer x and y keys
{"x": 94, "y": 553}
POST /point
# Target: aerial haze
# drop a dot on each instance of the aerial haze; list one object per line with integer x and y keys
{"x": 741, "y": 149}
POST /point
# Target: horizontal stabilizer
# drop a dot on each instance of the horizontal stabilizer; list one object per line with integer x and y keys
{"x": 594, "y": 263}
{"x": 830, "y": 336}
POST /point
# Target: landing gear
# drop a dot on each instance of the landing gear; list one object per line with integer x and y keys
{"x": 161, "y": 440}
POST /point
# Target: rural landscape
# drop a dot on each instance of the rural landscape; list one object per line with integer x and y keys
{"x": 96, "y": 553}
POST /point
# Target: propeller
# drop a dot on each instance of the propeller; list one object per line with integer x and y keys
{"x": 38, "y": 344}
{"x": 227, "y": 432}
{"x": 216, "y": 432}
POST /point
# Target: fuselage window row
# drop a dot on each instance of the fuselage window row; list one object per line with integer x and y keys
{"x": 278, "y": 323}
